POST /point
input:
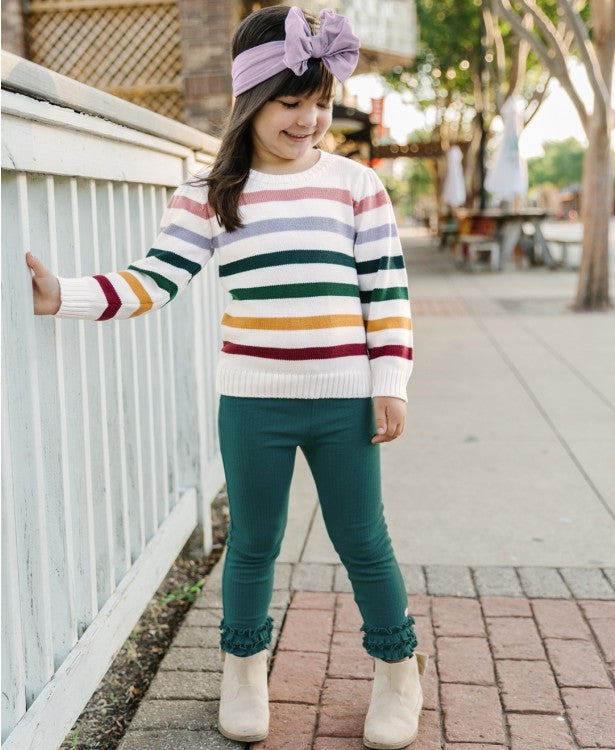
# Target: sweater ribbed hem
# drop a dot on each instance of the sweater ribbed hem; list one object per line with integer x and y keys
{"x": 76, "y": 299}
{"x": 250, "y": 384}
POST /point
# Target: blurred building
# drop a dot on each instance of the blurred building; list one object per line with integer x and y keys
{"x": 173, "y": 56}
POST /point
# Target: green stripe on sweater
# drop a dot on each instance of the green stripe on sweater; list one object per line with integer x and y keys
{"x": 381, "y": 295}
{"x": 287, "y": 291}
{"x": 161, "y": 281}
{"x": 380, "y": 264}
{"x": 284, "y": 258}
{"x": 175, "y": 260}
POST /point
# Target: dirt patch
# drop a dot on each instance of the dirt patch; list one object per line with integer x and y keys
{"x": 109, "y": 711}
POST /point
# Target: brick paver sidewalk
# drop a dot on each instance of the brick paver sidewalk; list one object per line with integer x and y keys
{"x": 505, "y": 672}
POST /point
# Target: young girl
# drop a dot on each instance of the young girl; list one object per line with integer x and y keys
{"x": 317, "y": 349}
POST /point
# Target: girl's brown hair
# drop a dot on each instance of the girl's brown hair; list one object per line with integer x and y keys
{"x": 231, "y": 167}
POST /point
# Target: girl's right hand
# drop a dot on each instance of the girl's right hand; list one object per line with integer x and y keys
{"x": 45, "y": 287}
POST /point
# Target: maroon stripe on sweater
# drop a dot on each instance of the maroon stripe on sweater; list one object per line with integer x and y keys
{"x": 369, "y": 202}
{"x": 405, "y": 352}
{"x": 313, "y": 352}
{"x": 113, "y": 298}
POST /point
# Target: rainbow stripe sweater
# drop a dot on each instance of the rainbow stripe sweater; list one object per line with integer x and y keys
{"x": 318, "y": 290}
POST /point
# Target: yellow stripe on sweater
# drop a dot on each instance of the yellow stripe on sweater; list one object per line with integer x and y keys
{"x": 146, "y": 302}
{"x": 381, "y": 324}
{"x": 293, "y": 324}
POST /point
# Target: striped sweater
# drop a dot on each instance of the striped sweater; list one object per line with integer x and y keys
{"x": 318, "y": 290}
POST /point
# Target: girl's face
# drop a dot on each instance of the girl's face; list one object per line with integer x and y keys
{"x": 285, "y": 131}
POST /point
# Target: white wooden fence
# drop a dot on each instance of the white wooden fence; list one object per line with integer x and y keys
{"x": 110, "y": 459}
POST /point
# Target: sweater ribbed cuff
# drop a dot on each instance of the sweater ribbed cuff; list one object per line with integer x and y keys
{"x": 76, "y": 299}
{"x": 390, "y": 383}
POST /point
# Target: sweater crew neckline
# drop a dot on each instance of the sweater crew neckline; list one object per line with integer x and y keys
{"x": 292, "y": 177}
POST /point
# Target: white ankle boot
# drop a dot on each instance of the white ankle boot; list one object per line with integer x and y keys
{"x": 244, "y": 698}
{"x": 392, "y": 720}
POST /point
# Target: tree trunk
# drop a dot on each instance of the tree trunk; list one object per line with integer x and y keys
{"x": 597, "y": 197}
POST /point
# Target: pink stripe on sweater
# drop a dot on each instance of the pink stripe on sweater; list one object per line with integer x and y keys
{"x": 296, "y": 194}
{"x": 369, "y": 202}
{"x": 204, "y": 210}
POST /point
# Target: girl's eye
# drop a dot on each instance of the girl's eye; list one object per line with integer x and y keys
{"x": 289, "y": 105}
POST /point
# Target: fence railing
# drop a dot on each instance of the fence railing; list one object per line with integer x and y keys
{"x": 110, "y": 459}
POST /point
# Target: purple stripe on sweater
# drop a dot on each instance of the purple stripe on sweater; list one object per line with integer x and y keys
{"x": 181, "y": 233}
{"x": 376, "y": 233}
{"x": 299, "y": 224}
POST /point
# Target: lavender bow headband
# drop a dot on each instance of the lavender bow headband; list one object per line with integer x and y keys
{"x": 335, "y": 43}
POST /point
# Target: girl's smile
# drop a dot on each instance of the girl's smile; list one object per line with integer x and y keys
{"x": 285, "y": 131}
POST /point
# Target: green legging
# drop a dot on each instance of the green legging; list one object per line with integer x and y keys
{"x": 258, "y": 440}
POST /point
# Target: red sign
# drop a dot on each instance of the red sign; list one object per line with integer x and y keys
{"x": 377, "y": 110}
{"x": 377, "y": 115}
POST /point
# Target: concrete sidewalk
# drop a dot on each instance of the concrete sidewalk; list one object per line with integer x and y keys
{"x": 500, "y": 499}
{"x": 509, "y": 453}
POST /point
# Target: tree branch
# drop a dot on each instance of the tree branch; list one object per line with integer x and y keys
{"x": 549, "y": 32}
{"x": 566, "y": 35}
{"x": 538, "y": 97}
{"x": 588, "y": 54}
{"x": 553, "y": 59}
{"x": 494, "y": 37}
{"x": 519, "y": 63}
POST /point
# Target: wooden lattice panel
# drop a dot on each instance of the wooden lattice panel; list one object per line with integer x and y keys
{"x": 129, "y": 49}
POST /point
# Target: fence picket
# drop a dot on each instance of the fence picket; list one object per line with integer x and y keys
{"x": 114, "y": 361}
{"x": 41, "y": 220}
{"x": 13, "y": 661}
{"x": 23, "y": 416}
{"x": 69, "y": 633}
{"x": 149, "y": 404}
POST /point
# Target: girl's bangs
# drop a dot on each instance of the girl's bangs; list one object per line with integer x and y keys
{"x": 316, "y": 78}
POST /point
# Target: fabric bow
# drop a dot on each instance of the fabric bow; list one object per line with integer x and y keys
{"x": 335, "y": 43}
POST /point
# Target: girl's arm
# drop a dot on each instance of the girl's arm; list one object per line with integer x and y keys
{"x": 385, "y": 302}
{"x": 181, "y": 249}
{"x": 383, "y": 286}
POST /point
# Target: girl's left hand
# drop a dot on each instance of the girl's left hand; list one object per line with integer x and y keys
{"x": 390, "y": 416}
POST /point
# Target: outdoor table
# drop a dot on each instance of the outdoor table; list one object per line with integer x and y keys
{"x": 509, "y": 227}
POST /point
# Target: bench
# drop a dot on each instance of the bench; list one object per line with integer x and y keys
{"x": 564, "y": 243}
{"x": 481, "y": 250}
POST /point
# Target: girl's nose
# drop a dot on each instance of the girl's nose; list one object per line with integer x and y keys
{"x": 307, "y": 117}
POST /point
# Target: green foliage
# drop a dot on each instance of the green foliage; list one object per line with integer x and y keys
{"x": 445, "y": 72}
{"x": 561, "y": 165}
{"x": 189, "y": 592}
{"x": 406, "y": 191}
